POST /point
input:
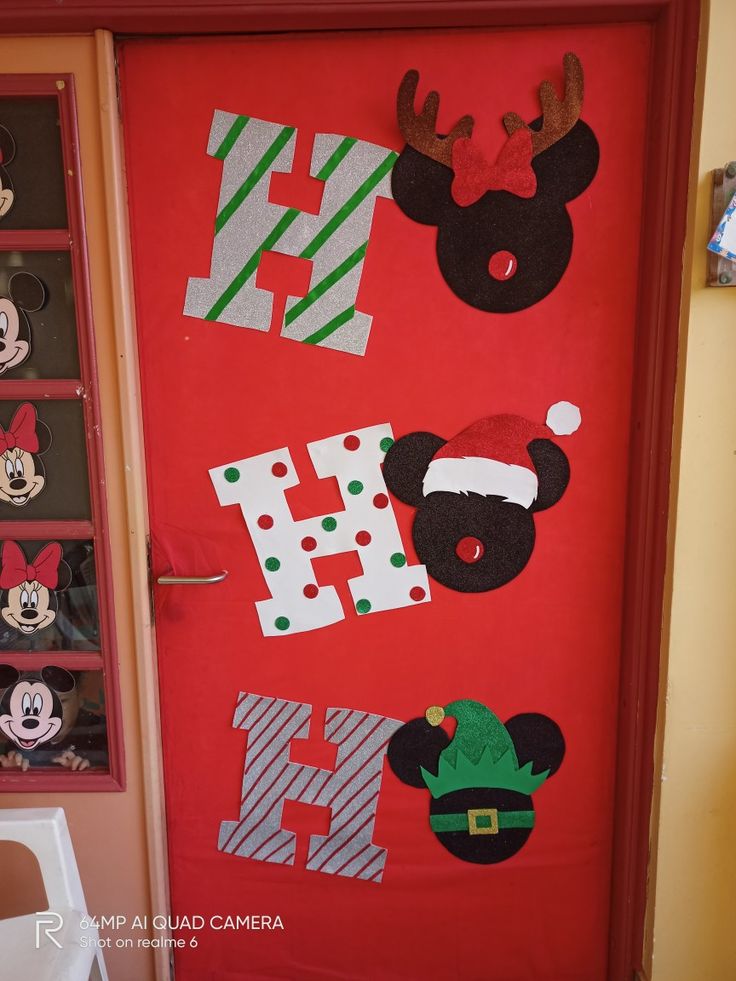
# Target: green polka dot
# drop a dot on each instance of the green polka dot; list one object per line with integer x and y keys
{"x": 232, "y": 474}
{"x": 329, "y": 524}
{"x": 273, "y": 564}
{"x": 281, "y": 623}
{"x": 398, "y": 559}
{"x": 363, "y": 606}
{"x": 386, "y": 443}
{"x": 355, "y": 487}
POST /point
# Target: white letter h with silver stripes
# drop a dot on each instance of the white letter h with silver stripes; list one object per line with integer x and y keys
{"x": 350, "y": 790}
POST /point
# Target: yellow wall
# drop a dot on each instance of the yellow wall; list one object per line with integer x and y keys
{"x": 695, "y": 903}
{"x": 109, "y": 830}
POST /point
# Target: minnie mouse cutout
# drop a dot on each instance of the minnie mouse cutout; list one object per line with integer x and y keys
{"x": 504, "y": 235}
{"x": 481, "y": 780}
{"x": 28, "y": 601}
{"x": 27, "y": 295}
{"x": 22, "y": 475}
{"x": 476, "y": 495}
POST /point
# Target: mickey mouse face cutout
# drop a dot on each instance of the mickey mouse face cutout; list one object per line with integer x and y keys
{"x": 7, "y": 153}
{"x": 476, "y": 494}
{"x": 504, "y": 237}
{"x": 482, "y": 780}
{"x": 31, "y": 711}
{"x": 27, "y": 295}
{"x": 22, "y": 475}
{"x": 29, "y": 601}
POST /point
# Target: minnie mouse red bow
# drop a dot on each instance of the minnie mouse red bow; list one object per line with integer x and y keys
{"x": 15, "y": 569}
{"x": 511, "y": 172}
{"x": 21, "y": 432}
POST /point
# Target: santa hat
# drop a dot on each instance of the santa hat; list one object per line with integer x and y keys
{"x": 490, "y": 457}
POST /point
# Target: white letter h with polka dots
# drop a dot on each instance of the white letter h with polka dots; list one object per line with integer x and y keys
{"x": 286, "y": 547}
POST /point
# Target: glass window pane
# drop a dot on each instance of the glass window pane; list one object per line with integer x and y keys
{"x": 32, "y": 163}
{"x": 69, "y": 728}
{"x": 51, "y": 483}
{"x": 39, "y": 332}
{"x": 55, "y": 611}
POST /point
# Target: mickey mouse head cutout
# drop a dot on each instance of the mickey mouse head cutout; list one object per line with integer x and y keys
{"x": 504, "y": 237}
{"x": 29, "y": 601}
{"x": 31, "y": 711}
{"x": 481, "y": 780}
{"x": 7, "y": 153}
{"x": 27, "y": 295}
{"x": 22, "y": 475}
{"x": 476, "y": 495}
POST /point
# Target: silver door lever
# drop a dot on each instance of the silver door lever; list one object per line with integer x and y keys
{"x": 191, "y": 580}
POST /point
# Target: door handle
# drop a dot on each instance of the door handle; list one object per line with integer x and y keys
{"x": 191, "y": 580}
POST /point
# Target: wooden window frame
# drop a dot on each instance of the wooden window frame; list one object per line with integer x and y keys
{"x": 675, "y": 29}
{"x": 83, "y": 389}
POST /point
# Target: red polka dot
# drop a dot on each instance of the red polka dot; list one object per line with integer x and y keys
{"x": 265, "y": 521}
{"x": 417, "y": 594}
{"x": 470, "y": 549}
{"x": 279, "y": 470}
{"x": 363, "y": 538}
{"x": 351, "y": 442}
{"x": 502, "y": 265}
{"x": 380, "y": 501}
{"x": 309, "y": 544}
{"x": 310, "y": 590}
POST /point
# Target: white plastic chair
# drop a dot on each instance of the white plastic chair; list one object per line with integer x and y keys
{"x": 55, "y": 945}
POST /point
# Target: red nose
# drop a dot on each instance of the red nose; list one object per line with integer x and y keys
{"x": 470, "y": 549}
{"x": 502, "y": 265}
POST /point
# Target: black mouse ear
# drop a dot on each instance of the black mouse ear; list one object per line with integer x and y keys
{"x": 553, "y": 472}
{"x": 421, "y": 187}
{"x": 567, "y": 167}
{"x": 27, "y": 291}
{"x": 65, "y": 577}
{"x": 45, "y": 436}
{"x": 406, "y": 465}
{"x": 7, "y": 146}
{"x": 538, "y": 740}
{"x": 8, "y": 676}
{"x": 416, "y": 744}
{"x": 58, "y": 678}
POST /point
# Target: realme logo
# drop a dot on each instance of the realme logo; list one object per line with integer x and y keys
{"x": 51, "y": 923}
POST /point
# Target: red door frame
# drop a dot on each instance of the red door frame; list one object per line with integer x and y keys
{"x": 675, "y": 28}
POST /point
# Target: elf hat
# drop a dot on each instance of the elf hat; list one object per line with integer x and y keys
{"x": 480, "y": 754}
{"x": 490, "y": 457}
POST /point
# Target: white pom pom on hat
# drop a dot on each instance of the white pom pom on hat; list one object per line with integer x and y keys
{"x": 563, "y": 418}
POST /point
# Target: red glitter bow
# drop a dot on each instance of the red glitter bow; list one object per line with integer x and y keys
{"x": 15, "y": 569}
{"x": 21, "y": 432}
{"x": 511, "y": 172}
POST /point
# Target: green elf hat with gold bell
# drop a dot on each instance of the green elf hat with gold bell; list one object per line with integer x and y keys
{"x": 480, "y": 754}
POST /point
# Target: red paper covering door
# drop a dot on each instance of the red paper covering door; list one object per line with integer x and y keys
{"x": 547, "y": 642}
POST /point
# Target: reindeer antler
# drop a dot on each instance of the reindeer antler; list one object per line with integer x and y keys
{"x": 419, "y": 131}
{"x": 558, "y": 116}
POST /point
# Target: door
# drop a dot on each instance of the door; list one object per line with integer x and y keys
{"x": 386, "y": 383}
